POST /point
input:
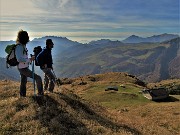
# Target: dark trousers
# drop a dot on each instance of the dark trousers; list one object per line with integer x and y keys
{"x": 26, "y": 72}
{"x": 49, "y": 79}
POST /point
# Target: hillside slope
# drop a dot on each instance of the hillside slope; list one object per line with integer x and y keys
{"x": 148, "y": 61}
{"x": 151, "y": 62}
{"x": 57, "y": 113}
{"x": 78, "y": 107}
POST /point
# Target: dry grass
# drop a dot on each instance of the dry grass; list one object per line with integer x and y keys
{"x": 152, "y": 118}
{"x": 69, "y": 112}
{"x": 57, "y": 113}
{"x": 165, "y": 83}
{"x": 127, "y": 106}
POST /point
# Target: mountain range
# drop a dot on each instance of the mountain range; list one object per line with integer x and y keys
{"x": 149, "y": 61}
{"x": 62, "y": 43}
{"x": 152, "y": 39}
{"x": 7, "y": 73}
{"x": 152, "y": 60}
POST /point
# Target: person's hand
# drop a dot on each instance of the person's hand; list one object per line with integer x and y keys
{"x": 45, "y": 65}
{"x": 32, "y": 58}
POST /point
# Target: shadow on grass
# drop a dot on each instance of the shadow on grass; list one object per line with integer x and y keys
{"x": 57, "y": 119}
{"x": 90, "y": 115}
{"x": 168, "y": 99}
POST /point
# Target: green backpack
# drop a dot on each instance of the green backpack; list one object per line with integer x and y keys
{"x": 11, "y": 57}
{"x": 9, "y": 48}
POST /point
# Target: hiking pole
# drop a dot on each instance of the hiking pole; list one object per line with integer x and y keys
{"x": 54, "y": 74}
{"x": 33, "y": 77}
{"x": 57, "y": 81}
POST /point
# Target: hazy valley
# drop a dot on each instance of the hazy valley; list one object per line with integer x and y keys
{"x": 154, "y": 60}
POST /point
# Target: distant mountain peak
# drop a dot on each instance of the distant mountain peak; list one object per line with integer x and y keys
{"x": 100, "y": 41}
{"x": 133, "y": 36}
{"x": 51, "y": 37}
{"x": 133, "y": 39}
{"x": 105, "y": 42}
{"x": 153, "y": 39}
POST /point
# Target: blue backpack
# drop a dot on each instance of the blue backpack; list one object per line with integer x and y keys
{"x": 37, "y": 50}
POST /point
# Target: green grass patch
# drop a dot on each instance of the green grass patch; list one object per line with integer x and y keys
{"x": 127, "y": 96}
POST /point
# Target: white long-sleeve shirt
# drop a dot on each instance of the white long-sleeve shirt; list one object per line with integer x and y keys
{"x": 22, "y": 56}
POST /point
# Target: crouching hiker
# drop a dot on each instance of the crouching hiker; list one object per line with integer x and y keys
{"x": 21, "y": 53}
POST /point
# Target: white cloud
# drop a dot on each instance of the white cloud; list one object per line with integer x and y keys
{"x": 92, "y": 18}
{"x": 14, "y": 8}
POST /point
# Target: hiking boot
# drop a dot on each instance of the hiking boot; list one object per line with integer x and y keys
{"x": 22, "y": 96}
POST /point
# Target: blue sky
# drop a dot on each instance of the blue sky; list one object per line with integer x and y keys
{"x": 86, "y": 20}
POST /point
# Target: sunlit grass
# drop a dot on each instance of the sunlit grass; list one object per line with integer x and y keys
{"x": 91, "y": 111}
{"x": 58, "y": 113}
{"x": 115, "y": 99}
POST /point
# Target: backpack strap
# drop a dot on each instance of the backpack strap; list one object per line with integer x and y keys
{"x": 39, "y": 58}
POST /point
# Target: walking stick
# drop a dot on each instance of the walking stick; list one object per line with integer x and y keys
{"x": 33, "y": 78}
{"x": 57, "y": 81}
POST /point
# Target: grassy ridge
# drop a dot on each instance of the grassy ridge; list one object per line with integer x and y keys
{"x": 81, "y": 106}
{"x": 128, "y": 106}
{"x": 57, "y": 113}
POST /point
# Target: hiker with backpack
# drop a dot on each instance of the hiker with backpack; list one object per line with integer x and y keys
{"x": 21, "y": 54}
{"x": 45, "y": 61}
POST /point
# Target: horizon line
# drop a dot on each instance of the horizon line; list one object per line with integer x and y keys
{"x": 112, "y": 39}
